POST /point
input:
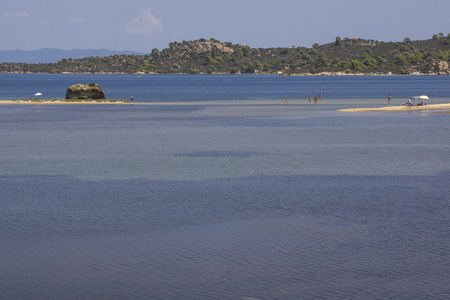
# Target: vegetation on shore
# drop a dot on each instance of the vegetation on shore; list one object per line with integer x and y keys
{"x": 344, "y": 56}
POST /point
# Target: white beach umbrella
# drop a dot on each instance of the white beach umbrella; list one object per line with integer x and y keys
{"x": 423, "y": 97}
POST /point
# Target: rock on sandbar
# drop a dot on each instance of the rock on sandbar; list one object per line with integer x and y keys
{"x": 85, "y": 91}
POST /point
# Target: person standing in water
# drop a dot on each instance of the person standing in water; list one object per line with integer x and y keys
{"x": 389, "y": 100}
{"x": 131, "y": 98}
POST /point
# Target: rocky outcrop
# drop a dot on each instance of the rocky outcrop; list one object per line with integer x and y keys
{"x": 442, "y": 68}
{"x": 200, "y": 46}
{"x": 85, "y": 91}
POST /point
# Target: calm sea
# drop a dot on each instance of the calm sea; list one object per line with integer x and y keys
{"x": 169, "y": 88}
{"x": 245, "y": 199}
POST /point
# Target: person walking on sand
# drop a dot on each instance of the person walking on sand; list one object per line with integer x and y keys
{"x": 131, "y": 98}
{"x": 309, "y": 99}
{"x": 315, "y": 99}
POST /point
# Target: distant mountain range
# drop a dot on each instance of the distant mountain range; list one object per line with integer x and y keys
{"x": 50, "y": 55}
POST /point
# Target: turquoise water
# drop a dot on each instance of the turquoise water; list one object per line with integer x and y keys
{"x": 230, "y": 200}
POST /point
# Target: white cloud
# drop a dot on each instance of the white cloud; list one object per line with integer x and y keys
{"x": 14, "y": 15}
{"x": 145, "y": 24}
{"x": 78, "y": 20}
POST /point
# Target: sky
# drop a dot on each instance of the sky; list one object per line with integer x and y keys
{"x": 142, "y": 25}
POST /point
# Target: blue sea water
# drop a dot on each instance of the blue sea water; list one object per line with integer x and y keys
{"x": 249, "y": 198}
{"x": 169, "y": 88}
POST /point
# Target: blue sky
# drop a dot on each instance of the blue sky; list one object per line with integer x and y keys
{"x": 141, "y": 25}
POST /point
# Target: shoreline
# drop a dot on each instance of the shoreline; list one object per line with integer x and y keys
{"x": 398, "y": 108}
{"x": 44, "y": 102}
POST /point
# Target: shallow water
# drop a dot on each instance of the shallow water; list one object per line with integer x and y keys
{"x": 223, "y": 201}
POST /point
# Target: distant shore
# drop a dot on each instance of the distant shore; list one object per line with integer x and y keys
{"x": 398, "y": 108}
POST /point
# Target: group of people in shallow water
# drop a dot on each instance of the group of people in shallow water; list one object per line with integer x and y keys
{"x": 315, "y": 98}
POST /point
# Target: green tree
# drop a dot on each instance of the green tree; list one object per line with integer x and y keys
{"x": 401, "y": 60}
{"x": 258, "y": 65}
{"x": 416, "y": 58}
{"x": 194, "y": 71}
{"x": 356, "y": 65}
{"x": 248, "y": 68}
{"x": 211, "y": 69}
{"x": 246, "y": 51}
{"x": 233, "y": 70}
{"x": 338, "y": 41}
{"x": 404, "y": 48}
{"x": 323, "y": 60}
{"x": 344, "y": 64}
{"x": 238, "y": 54}
{"x": 306, "y": 56}
{"x": 369, "y": 61}
{"x": 214, "y": 51}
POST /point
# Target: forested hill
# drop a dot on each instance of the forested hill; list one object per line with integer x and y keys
{"x": 340, "y": 57}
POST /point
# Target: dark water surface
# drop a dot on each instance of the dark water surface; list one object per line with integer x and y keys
{"x": 223, "y": 201}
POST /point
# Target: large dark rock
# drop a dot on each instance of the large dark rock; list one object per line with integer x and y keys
{"x": 85, "y": 91}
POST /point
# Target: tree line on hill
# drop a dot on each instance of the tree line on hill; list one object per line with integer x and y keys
{"x": 343, "y": 56}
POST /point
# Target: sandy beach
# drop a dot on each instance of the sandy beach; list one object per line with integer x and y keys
{"x": 398, "y": 108}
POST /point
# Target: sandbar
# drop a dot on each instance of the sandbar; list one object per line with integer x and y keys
{"x": 41, "y": 102}
{"x": 398, "y": 108}
{"x": 175, "y": 103}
